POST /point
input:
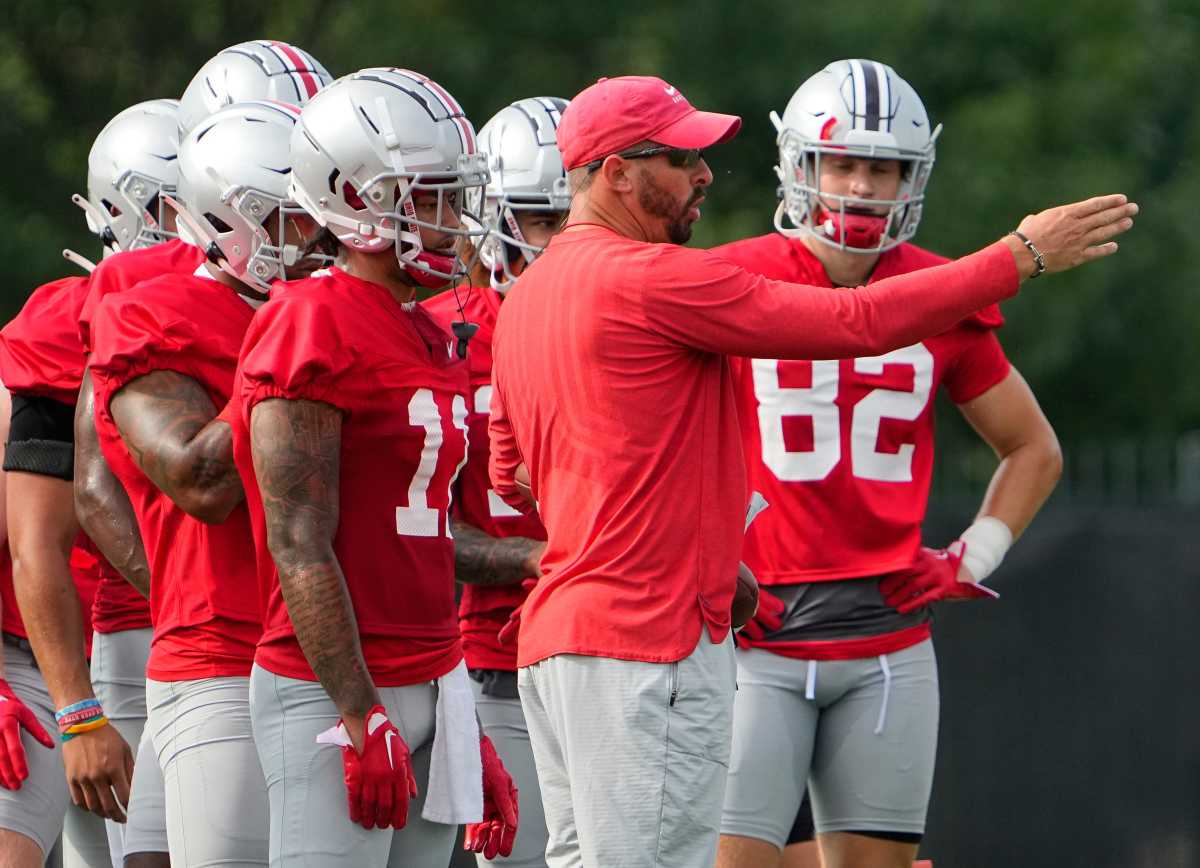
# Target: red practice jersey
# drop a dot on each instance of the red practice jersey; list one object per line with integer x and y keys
{"x": 118, "y": 605}
{"x": 393, "y": 374}
{"x": 203, "y": 591}
{"x": 842, "y": 450}
{"x": 120, "y": 271}
{"x": 40, "y": 353}
{"x": 483, "y": 610}
{"x": 613, "y": 387}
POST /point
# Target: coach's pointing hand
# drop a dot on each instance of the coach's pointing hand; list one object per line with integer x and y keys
{"x": 1070, "y": 235}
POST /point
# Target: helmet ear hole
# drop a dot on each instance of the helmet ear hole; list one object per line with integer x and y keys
{"x": 352, "y": 198}
{"x": 217, "y": 223}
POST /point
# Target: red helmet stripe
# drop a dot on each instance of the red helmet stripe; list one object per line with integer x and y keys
{"x": 300, "y": 67}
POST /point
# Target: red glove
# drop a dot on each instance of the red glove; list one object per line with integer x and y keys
{"x": 508, "y": 633}
{"x": 379, "y": 782}
{"x": 933, "y": 576}
{"x": 15, "y": 716}
{"x": 767, "y": 619}
{"x": 495, "y": 833}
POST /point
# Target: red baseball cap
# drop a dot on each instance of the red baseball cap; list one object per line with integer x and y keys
{"x": 615, "y": 113}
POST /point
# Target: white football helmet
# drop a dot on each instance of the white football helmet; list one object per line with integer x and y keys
{"x": 526, "y": 175}
{"x": 234, "y": 172}
{"x": 260, "y": 69}
{"x": 131, "y": 166}
{"x": 371, "y": 140}
{"x": 856, "y": 108}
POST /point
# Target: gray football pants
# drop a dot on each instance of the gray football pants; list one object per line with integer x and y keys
{"x": 38, "y": 809}
{"x": 119, "y": 679}
{"x": 862, "y": 734}
{"x": 503, "y": 722}
{"x": 310, "y": 818}
{"x": 632, "y": 757}
{"x": 216, "y": 798}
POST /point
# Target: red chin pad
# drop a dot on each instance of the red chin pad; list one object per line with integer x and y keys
{"x": 444, "y": 264}
{"x": 854, "y": 230}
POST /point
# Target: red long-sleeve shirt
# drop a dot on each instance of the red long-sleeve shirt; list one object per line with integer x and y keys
{"x": 612, "y": 386}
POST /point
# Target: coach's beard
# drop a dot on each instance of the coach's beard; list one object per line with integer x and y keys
{"x": 655, "y": 200}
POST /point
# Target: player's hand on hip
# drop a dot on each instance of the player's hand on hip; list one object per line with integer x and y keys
{"x": 1070, "y": 235}
{"x": 14, "y": 717}
{"x": 767, "y": 619}
{"x": 935, "y": 574}
{"x": 99, "y": 766}
{"x": 494, "y": 835}
{"x": 379, "y": 778}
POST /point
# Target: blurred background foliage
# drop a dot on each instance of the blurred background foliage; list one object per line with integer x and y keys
{"x": 1042, "y": 103}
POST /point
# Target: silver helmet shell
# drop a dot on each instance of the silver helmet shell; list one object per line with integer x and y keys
{"x": 234, "y": 173}
{"x": 370, "y": 141}
{"x": 856, "y": 108}
{"x": 131, "y": 166}
{"x": 255, "y": 70}
{"x": 527, "y": 174}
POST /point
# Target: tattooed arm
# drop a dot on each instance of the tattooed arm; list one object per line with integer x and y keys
{"x": 296, "y": 448}
{"x": 169, "y": 424}
{"x": 101, "y": 503}
{"x": 482, "y": 559}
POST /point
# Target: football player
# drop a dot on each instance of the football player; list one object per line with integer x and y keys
{"x": 261, "y": 69}
{"x": 349, "y": 423}
{"x": 495, "y": 546}
{"x": 843, "y": 694}
{"x": 130, "y": 165}
{"x": 163, "y": 359}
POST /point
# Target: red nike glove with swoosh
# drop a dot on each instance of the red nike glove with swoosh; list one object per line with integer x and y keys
{"x": 15, "y": 716}
{"x": 933, "y": 576}
{"x": 767, "y": 619}
{"x": 379, "y": 782}
{"x": 495, "y": 834}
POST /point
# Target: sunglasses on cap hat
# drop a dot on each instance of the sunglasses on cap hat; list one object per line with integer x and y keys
{"x": 680, "y": 158}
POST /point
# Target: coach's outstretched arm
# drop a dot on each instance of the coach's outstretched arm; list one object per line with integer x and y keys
{"x": 101, "y": 502}
{"x": 296, "y": 448}
{"x": 728, "y": 310}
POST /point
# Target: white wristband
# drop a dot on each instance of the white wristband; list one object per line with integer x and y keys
{"x": 987, "y": 541}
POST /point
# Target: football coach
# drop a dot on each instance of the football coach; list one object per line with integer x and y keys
{"x": 612, "y": 388}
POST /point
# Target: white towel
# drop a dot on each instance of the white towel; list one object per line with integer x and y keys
{"x": 455, "y": 791}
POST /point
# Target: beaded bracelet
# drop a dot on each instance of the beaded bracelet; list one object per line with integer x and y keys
{"x": 81, "y": 728}
{"x": 78, "y": 706}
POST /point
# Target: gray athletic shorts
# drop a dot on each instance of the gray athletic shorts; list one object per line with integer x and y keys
{"x": 862, "y": 733}
{"x": 119, "y": 679}
{"x": 310, "y": 819}
{"x": 216, "y": 798}
{"x": 504, "y": 723}
{"x": 37, "y": 809}
{"x": 632, "y": 757}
